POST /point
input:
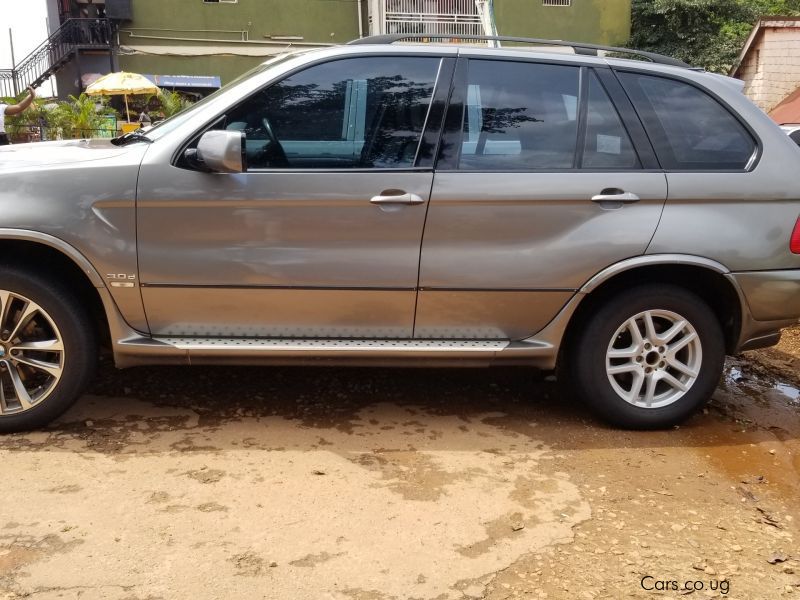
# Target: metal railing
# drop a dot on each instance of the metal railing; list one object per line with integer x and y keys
{"x": 577, "y": 47}
{"x": 454, "y": 17}
{"x": 55, "y": 52}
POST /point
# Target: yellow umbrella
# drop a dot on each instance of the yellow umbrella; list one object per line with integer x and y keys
{"x": 124, "y": 84}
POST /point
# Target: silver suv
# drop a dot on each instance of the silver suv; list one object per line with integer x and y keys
{"x": 626, "y": 222}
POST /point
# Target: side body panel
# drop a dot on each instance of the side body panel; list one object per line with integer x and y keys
{"x": 82, "y": 193}
{"x": 744, "y": 219}
{"x": 525, "y": 239}
{"x": 279, "y": 253}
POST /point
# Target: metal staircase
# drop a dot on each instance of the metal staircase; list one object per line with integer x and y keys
{"x": 55, "y": 52}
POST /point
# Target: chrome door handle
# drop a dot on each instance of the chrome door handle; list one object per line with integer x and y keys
{"x": 624, "y": 197}
{"x": 404, "y": 198}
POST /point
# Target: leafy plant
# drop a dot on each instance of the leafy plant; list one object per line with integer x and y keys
{"x": 83, "y": 116}
{"x": 172, "y": 103}
{"x": 704, "y": 33}
{"x": 80, "y": 116}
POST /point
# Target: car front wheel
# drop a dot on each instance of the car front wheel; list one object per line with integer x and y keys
{"x": 648, "y": 358}
{"x": 47, "y": 350}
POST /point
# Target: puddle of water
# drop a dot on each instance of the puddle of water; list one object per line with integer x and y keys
{"x": 734, "y": 376}
{"x": 787, "y": 390}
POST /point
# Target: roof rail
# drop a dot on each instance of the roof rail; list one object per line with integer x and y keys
{"x": 578, "y": 47}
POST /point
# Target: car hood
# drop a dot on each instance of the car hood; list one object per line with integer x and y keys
{"x": 64, "y": 152}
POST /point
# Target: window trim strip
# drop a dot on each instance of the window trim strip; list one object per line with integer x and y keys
{"x": 434, "y": 122}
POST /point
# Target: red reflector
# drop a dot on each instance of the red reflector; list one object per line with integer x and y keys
{"x": 794, "y": 243}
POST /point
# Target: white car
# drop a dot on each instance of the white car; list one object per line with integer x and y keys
{"x": 793, "y": 131}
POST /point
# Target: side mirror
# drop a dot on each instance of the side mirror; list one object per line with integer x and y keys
{"x": 220, "y": 151}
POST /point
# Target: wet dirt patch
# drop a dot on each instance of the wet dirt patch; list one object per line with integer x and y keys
{"x": 65, "y": 489}
{"x": 430, "y": 484}
{"x": 412, "y": 474}
{"x": 206, "y": 475}
{"x": 248, "y": 564}
{"x": 781, "y": 362}
{"x": 19, "y": 551}
{"x": 387, "y": 496}
{"x": 212, "y": 507}
{"x": 312, "y": 560}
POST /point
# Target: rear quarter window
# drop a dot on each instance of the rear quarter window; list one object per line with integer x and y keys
{"x": 690, "y": 129}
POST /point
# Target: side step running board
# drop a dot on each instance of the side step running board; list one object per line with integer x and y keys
{"x": 292, "y": 351}
{"x": 204, "y": 345}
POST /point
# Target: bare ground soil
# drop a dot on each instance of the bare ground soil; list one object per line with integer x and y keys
{"x": 375, "y": 484}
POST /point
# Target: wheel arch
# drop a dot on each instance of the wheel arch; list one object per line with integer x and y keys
{"x": 42, "y": 253}
{"x": 702, "y": 276}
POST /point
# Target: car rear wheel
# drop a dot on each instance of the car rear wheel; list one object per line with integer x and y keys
{"x": 648, "y": 358}
{"x": 48, "y": 350}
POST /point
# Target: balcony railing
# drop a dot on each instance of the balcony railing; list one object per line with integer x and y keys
{"x": 54, "y": 53}
{"x": 456, "y": 17}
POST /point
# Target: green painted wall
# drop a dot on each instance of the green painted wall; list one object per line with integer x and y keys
{"x": 593, "y": 21}
{"x": 195, "y": 23}
{"x": 315, "y": 20}
{"x": 168, "y": 23}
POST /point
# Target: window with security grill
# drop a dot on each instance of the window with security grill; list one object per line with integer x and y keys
{"x": 556, "y": 2}
{"x": 449, "y": 17}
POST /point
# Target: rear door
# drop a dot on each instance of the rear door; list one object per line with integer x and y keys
{"x": 544, "y": 178}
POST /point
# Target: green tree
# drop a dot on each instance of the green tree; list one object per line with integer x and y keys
{"x": 704, "y": 33}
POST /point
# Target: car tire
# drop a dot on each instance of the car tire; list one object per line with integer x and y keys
{"x": 48, "y": 350}
{"x": 657, "y": 378}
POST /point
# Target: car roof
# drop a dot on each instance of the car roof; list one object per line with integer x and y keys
{"x": 556, "y": 54}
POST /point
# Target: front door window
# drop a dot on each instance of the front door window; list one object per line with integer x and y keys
{"x": 348, "y": 114}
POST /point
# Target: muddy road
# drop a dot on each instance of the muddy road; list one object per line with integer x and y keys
{"x": 376, "y": 484}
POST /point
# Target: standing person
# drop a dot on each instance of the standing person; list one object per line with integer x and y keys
{"x": 91, "y": 12}
{"x": 144, "y": 118}
{"x": 13, "y": 109}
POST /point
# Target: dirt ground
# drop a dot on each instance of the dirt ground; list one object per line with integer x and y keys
{"x": 373, "y": 484}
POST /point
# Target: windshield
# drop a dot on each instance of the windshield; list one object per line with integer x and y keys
{"x": 164, "y": 127}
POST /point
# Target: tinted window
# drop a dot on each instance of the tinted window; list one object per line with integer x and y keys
{"x": 689, "y": 129}
{"x": 607, "y": 144}
{"x": 353, "y": 113}
{"x": 520, "y": 116}
{"x": 795, "y": 135}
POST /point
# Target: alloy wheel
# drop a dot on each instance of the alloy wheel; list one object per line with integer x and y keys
{"x": 654, "y": 358}
{"x": 31, "y": 354}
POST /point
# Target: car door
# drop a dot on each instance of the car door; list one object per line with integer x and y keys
{"x": 320, "y": 237}
{"x": 544, "y": 178}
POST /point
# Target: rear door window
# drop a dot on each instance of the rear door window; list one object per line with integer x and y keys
{"x": 690, "y": 129}
{"x": 520, "y": 116}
